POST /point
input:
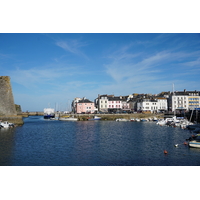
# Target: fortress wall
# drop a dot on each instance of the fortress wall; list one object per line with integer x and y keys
{"x": 7, "y": 106}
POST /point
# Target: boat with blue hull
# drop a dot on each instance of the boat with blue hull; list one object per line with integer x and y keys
{"x": 49, "y": 113}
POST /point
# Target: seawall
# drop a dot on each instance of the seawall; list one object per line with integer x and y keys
{"x": 17, "y": 120}
{"x": 112, "y": 117}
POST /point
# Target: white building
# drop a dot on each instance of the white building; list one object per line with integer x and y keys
{"x": 152, "y": 105}
{"x": 146, "y": 105}
{"x": 111, "y": 103}
{"x": 162, "y": 104}
{"x": 102, "y": 103}
{"x": 186, "y": 100}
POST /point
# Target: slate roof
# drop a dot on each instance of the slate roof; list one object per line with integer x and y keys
{"x": 85, "y": 101}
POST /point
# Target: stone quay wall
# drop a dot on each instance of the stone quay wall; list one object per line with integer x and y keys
{"x": 113, "y": 117}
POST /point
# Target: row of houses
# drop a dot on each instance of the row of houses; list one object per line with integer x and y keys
{"x": 165, "y": 101}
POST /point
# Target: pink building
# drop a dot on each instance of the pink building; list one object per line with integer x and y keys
{"x": 115, "y": 104}
{"x": 85, "y": 106}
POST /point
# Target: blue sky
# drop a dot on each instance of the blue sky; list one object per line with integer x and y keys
{"x": 46, "y": 69}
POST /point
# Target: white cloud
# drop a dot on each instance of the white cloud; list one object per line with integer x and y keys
{"x": 34, "y": 76}
{"x": 149, "y": 71}
{"x": 194, "y": 63}
{"x": 72, "y": 46}
{"x": 121, "y": 69}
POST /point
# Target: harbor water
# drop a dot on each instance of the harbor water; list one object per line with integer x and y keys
{"x": 41, "y": 142}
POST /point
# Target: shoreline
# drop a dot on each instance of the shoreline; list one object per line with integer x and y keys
{"x": 15, "y": 119}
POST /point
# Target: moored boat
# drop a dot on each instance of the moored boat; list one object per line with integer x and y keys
{"x": 194, "y": 141}
{"x": 121, "y": 120}
{"x": 155, "y": 119}
{"x": 49, "y": 113}
{"x": 68, "y": 119}
{"x": 143, "y": 120}
{"x": 94, "y": 118}
{"x": 161, "y": 122}
{"x": 56, "y": 117}
{"x": 193, "y": 126}
{"x": 137, "y": 120}
{"x": 6, "y": 124}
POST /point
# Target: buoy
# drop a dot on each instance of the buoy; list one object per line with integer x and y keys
{"x": 176, "y": 145}
{"x": 165, "y": 152}
{"x": 185, "y": 143}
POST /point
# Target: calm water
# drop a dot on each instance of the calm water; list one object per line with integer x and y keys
{"x": 42, "y": 142}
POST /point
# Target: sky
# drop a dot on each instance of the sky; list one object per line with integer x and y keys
{"x": 96, "y": 47}
{"x": 50, "y": 70}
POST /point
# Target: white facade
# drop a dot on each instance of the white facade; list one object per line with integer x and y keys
{"x": 184, "y": 100}
{"x": 162, "y": 104}
{"x": 147, "y": 105}
{"x": 103, "y": 103}
{"x": 179, "y": 102}
{"x": 156, "y": 105}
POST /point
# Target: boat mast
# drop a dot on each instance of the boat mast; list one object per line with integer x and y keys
{"x": 173, "y": 100}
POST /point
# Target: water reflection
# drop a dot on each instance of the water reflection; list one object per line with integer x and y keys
{"x": 94, "y": 143}
{"x": 6, "y": 145}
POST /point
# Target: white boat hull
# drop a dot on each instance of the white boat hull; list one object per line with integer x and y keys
{"x": 121, "y": 120}
{"x": 6, "y": 124}
{"x": 95, "y": 118}
{"x": 194, "y": 144}
{"x": 68, "y": 119}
